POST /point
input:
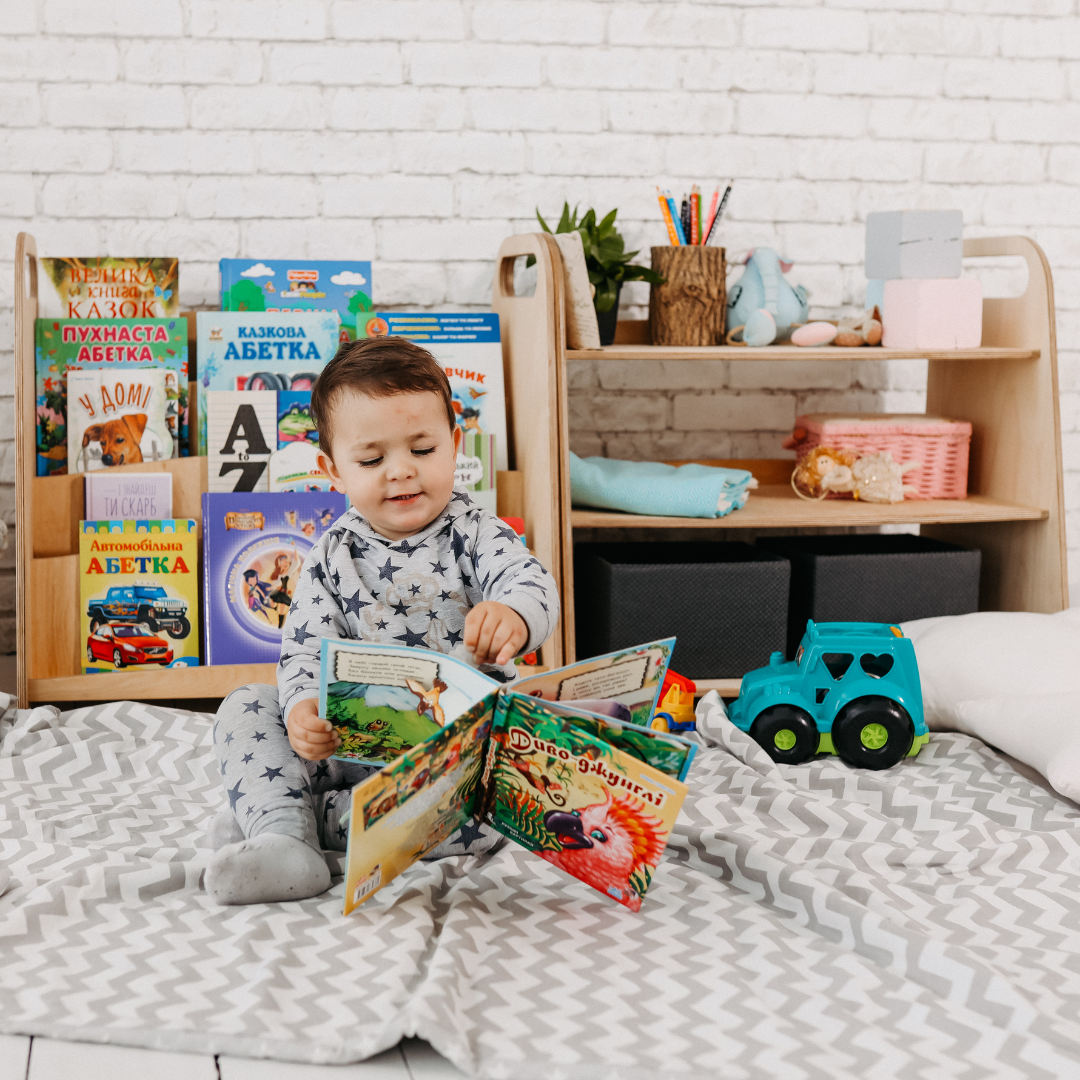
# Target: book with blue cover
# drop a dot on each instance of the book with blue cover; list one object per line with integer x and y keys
{"x": 254, "y": 546}
{"x": 468, "y": 346}
{"x": 261, "y": 350}
{"x": 300, "y": 285}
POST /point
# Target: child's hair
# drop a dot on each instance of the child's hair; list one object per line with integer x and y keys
{"x": 381, "y": 367}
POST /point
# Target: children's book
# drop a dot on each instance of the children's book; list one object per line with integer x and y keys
{"x": 241, "y": 435}
{"x": 300, "y": 285}
{"x": 139, "y": 593}
{"x": 296, "y": 468}
{"x": 253, "y": 549}
{"x": 295, "y": 422}
{"x": 475, "y": 470}
{"x": 563, "y": 763}
{"x": 107, "y": 346}
{"x": 261, "y": 351}
{"x": 107, "y": 288}
{"x": 128, "y": 495}
{"x": 116, "y": 419}
{"x": 468, "y": 346}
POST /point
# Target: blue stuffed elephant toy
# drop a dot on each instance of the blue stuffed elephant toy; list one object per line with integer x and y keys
{"x": 763, "y": 302}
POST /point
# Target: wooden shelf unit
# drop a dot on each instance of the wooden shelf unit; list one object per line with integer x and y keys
{"x": 48, "y": 509}
{"x": 1008, "y": 389}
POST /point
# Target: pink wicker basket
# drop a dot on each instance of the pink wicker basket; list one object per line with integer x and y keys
{"x": 940, "y": 446}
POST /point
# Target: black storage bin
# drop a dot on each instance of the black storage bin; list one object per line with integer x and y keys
{"x": 725, "y": 602}
{"x": 875, "y": 578}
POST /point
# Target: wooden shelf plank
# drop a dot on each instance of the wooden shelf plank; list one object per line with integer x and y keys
{"x": 155, "y": 684}
{"x": 775, "y": 506}
{"x": 792, "y": 352}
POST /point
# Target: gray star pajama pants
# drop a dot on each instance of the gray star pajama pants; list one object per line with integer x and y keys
{"x": 272, "y": 789}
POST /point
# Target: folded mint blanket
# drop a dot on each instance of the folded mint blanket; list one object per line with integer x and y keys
{"x": 651, "y": 487}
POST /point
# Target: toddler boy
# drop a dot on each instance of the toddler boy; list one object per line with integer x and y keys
{"x": 413, "y": 562}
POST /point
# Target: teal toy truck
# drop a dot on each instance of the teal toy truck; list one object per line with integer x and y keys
{"x": 853, "y": 689}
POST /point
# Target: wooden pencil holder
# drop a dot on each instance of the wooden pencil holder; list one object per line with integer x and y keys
{"x": 691, "y": 307}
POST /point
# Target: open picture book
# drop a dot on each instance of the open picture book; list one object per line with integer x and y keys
{"x": 563, "y": 762}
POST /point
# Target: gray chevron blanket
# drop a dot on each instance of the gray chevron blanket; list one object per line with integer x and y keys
{"x": 807, "y": 922}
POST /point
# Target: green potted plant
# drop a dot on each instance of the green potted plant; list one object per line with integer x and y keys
{"x": 608, "y": 264}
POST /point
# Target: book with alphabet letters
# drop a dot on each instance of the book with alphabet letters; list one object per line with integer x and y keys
{"x": 138, "y": 594}
{"x": 261, "y": 350}
{"x": 108, "y": 347}
{"x": 241, "y": 436}
{"x": 564, "y": 763}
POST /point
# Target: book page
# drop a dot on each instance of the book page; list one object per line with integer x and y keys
{"x": 630, "y": 678}
{"x": 398, "y": 815}
{"x": 386, "y": 699}
{"x": 553, "y": 784}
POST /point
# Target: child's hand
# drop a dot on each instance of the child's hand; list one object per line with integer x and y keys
{"x": 309, "y": 735}
{"x": 494, "y": 633}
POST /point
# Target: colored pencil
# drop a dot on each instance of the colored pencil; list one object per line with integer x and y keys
{"x": 712, "y": 214}
{"x": 675, "y": 218}
{"x": 719, "y": 212}
{"x": 695, "y": 215}
{"x": 673, "y": 236}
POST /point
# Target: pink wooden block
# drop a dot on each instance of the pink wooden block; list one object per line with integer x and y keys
{"x": 933, "y": 313}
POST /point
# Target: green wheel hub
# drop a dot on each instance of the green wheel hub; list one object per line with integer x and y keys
{"x": 873, "y": 736}
{"x": 784, "y": 739}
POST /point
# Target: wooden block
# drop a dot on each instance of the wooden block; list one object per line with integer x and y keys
{"x": 939, "y": 313}
{"x": 914, "y": 244}
{"x": 54, "y": 617}
{"x": 51, "y": 1059}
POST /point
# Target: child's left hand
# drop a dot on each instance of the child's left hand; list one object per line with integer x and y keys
{"x": 494, "y": 633}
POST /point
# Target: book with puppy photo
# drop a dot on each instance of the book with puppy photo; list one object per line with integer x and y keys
{"x": 116, "y": 419}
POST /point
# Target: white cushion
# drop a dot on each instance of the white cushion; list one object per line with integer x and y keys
{"x": 1010, "y": 678}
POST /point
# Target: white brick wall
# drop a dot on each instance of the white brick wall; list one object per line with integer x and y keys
{"x": 420, "y": 132}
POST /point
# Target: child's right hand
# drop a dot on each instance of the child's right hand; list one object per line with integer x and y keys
{"x": 309, "y": 735}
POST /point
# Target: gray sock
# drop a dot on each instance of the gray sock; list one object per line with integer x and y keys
{"x": 266, "y": 869}
{"x": 224, "y": 829}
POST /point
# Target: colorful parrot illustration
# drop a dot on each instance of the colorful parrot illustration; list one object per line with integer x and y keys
{"x": 605, "y": 843}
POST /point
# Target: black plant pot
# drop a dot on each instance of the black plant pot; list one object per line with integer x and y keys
{"x": 606, "y": 320}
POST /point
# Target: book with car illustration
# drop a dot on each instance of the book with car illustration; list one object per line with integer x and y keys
{"x": 563, "y": 763}
{"x": 139, "y": 593}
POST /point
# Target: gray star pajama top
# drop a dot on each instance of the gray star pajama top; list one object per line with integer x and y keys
{"x": 357, "y": 584}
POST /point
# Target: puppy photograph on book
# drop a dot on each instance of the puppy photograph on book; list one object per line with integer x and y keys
{"x": 116, "y": 419}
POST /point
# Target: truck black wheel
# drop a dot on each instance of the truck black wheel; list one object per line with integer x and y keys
{"x": 180, "y": 629}
{"x": 146, "y": 616}
{"x": 786, "y": 733}
{"x": 873, "y": 733}
{"x": 97, "y": 618}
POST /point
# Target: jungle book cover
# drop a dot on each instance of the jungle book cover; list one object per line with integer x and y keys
{"x": 562, "y": 763}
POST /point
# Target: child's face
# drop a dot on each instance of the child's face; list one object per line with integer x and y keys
{"x": 394, "y": 457}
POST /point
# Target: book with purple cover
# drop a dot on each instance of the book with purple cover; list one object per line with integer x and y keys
{"x": 254, "y": 547}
